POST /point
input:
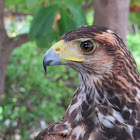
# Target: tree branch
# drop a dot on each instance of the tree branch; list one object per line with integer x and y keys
{"x": 18, "y": 14}
{"x": 2, "y": 11}
{"x": 87, "y": 5}
{"x": 19, "y": 40}
{"x": 3, "y": 33}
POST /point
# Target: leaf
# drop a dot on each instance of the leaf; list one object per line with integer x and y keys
{"x": 78, "y": 14}
{"x": 72, "y": 17}
{"x": 32, "y": 4}
{"x": 66, "y": 23}
{"x": 137, "y": 2}
{"x": 45, "y": 41}
{"x": 73, "y": 2}
{"x": 135, "y": 6}
{"x": 42, "y": 24}
{"x": 12, "y": 5}
{"x": 134, "y": 18}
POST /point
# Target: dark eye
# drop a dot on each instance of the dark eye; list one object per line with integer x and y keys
{"x": 87, "y": 46}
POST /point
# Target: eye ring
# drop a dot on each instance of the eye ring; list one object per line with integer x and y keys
{"x": 87, "y": 47}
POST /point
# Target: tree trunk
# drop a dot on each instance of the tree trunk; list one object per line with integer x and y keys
{"x": 6, "y": 46}
{"x": 112, "y": 14}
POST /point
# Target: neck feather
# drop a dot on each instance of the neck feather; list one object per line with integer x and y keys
{"x": 94, "y": 106}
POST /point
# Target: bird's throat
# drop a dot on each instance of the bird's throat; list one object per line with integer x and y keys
{"x": 92, "y": 108}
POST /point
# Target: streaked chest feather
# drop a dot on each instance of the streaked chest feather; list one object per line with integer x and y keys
{"x": 92, "y": 113}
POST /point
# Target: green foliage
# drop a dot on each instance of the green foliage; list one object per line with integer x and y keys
{"x": 20, "y": 27}
{"x": 134, "y": 46}
{"x": 65, "y": 19}
{"x": 134, "y": 18}
{"x": 27, "y": 6}
{"x": 137, "y": 2}
{"x": 30, "y": 96}
{"x": 42, "y": 29}
{"x": 45, "y": 27}
{"x": 32, "y": 4}
{"x": 78, "y": 15}
{"x": 12, "y": 4}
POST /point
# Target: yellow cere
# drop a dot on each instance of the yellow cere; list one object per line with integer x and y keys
{"x": 68, "y": 51}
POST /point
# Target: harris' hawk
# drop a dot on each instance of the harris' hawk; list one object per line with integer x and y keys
{"x": 106, "y": 103}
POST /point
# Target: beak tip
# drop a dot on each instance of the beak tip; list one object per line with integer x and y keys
{"x": 50, "y": 59}
{"x": 45, "y": 69}
{"x": 44, "y": 65}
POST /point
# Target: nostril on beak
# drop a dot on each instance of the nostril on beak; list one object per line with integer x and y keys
{"x": 58, "y": 49}
{"x": 50, "y": 59}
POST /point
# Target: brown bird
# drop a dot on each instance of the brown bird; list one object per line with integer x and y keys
{"x": 106, "y": 103}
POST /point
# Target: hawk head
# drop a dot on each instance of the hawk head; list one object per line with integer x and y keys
{"x": 98, "y": 54}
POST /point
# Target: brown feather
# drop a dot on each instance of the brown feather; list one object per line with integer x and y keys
{"x": 55, "y": 137}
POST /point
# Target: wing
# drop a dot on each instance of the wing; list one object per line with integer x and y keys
{"x": 55, "y": 131}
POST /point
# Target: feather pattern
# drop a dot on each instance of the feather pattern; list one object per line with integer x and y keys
{"x": 106, "y": 104}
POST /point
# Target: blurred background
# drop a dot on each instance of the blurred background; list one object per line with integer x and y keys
{"x": 29, "y": 99}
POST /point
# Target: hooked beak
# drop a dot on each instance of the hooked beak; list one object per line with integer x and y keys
{"x": 61, "y": 53}
{"x": 50, "y": 59}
